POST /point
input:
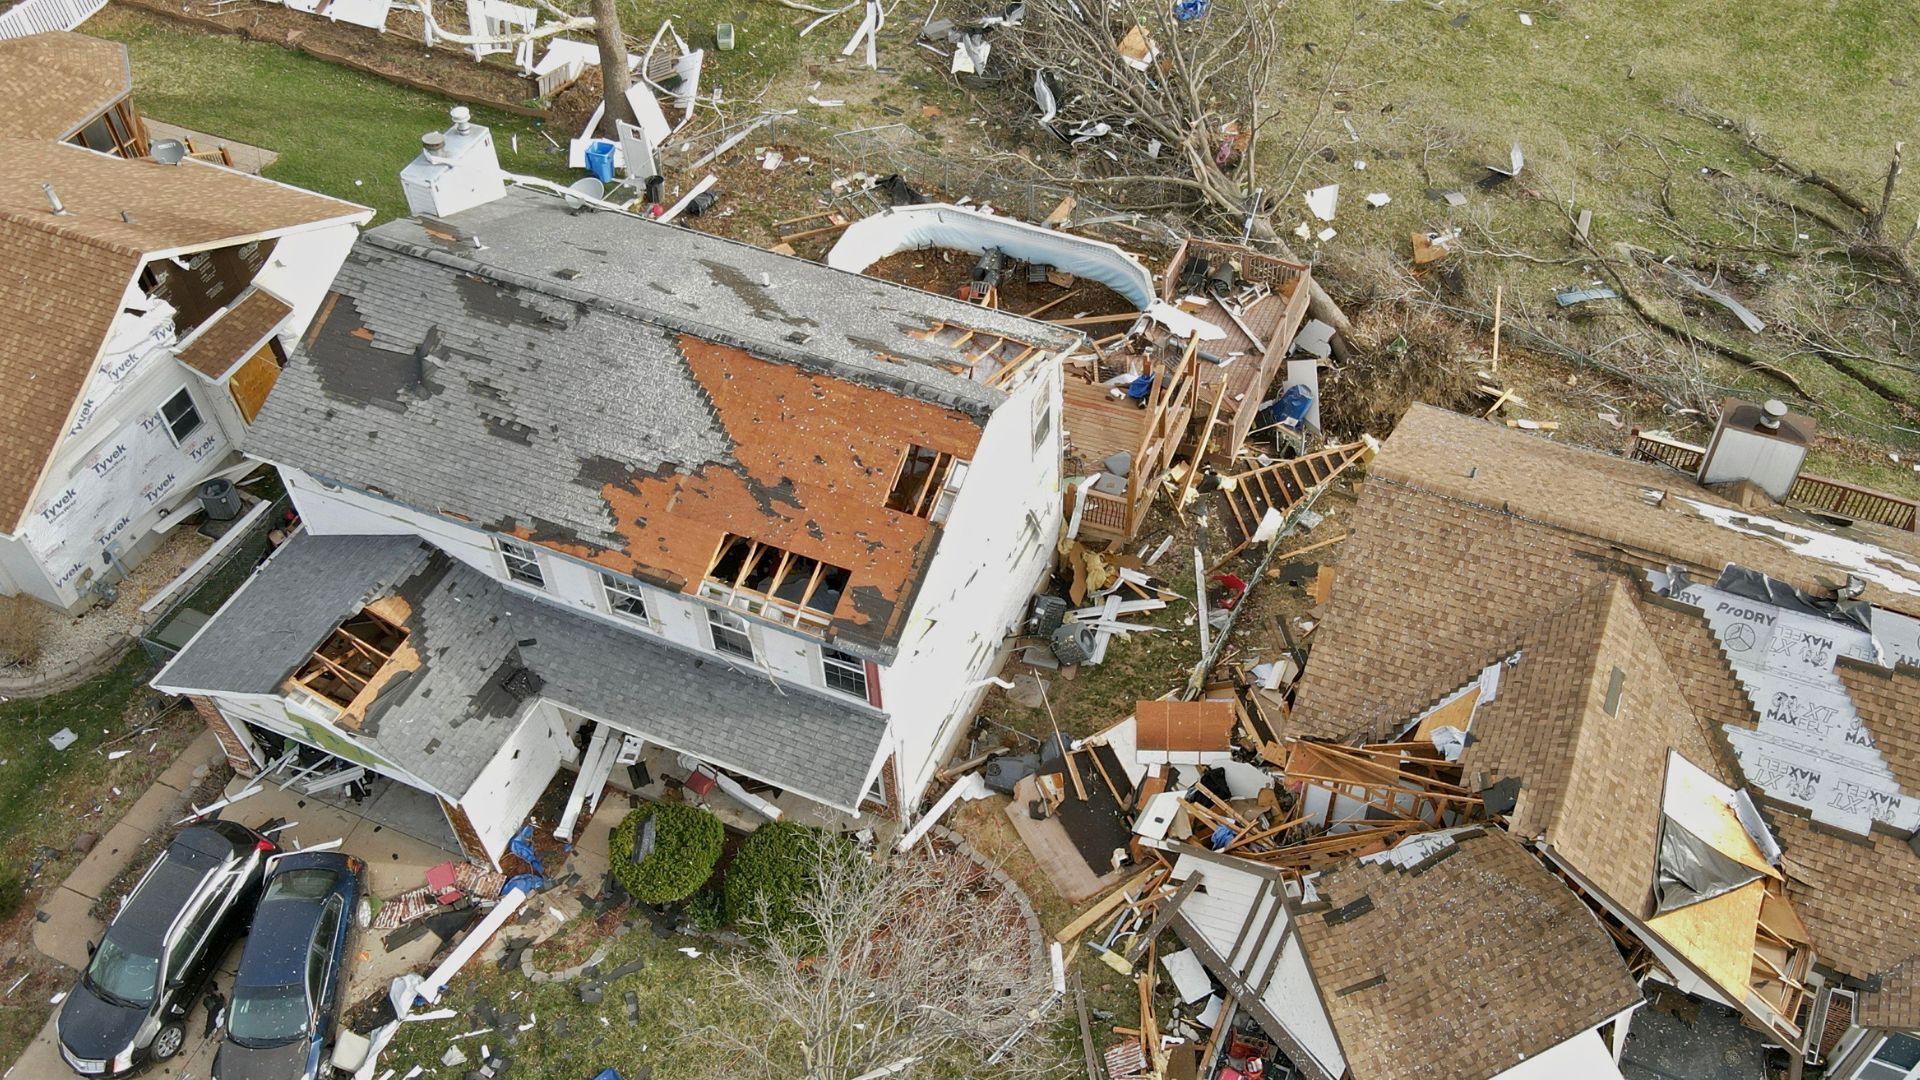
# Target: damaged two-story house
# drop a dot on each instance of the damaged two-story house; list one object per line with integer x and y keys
{"x": 567, "y": 474}
{"x": 144, "y": 308}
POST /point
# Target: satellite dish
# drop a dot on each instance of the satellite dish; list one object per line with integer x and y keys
{"x": 585, "y": 190}
{"x": 168, "y": 151}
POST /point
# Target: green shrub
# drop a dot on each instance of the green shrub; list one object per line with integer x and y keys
{"x": 686, "y": 846}
{"x": 776, "y": 865}
{"x": 707, "y": 911}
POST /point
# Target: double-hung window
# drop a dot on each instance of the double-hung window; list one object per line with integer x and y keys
{"x": 729, "y": 633}
{"x": 522, "y": 561}
{"x": 181, "y": 416}
{"x": 624, "y": 597}
{"x": 845, "y": 672}
{"x": 1897, "y": 1059}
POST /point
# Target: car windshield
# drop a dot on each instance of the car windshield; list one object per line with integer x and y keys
{"x": 267, "y": 1015}
{"x": 299, "y": 885}
{"x": 123, "y": 975}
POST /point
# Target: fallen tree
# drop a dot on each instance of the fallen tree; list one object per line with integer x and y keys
{"x": 1175, "y": 103}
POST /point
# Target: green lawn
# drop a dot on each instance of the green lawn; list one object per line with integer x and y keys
{"x": 48, "y": 797}
{"x": 337, "y": 131}
{"x": 1588, "y": 91}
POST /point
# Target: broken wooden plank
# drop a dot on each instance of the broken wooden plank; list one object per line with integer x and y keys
{"x": 1104, "y": 906}
{"x": 1163, "y": 914}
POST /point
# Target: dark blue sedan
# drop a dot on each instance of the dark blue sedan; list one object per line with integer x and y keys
{"x": 286, "y": 995}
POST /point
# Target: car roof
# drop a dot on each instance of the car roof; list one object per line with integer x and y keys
{"x": 142, "y": 924}
{"x": 283, "y": 926}
{"x": 276, "y": 952}
{"x": 310, "y": 860}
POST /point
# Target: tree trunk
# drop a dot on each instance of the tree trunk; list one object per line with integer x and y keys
{"x": 1320, "y": 305}
{"x": 613, "y": 68}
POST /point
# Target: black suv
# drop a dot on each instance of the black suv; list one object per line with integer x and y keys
{"x": 131, "y": 1005}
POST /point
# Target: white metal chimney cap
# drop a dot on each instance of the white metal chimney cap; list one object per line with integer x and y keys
{"x": 1775, "y": 410}
{"x": 462, "y": 118}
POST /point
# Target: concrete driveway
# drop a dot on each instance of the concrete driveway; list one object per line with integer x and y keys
{"x": 396, "y": 861}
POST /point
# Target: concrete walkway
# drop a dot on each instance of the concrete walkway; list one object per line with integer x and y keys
{"x": 66, "y": 925}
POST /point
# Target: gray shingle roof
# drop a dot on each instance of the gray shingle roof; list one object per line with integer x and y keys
{"x": 723, "y": 290}
{"x": 447, "y": 720}
{"x": 513, "y": 365}
{"x": 253, "y": 643}
{"x": 486, "y": 401}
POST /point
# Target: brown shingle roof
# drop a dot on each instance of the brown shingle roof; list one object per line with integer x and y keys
{"x": 1446, "y": 572}
{"x": 1461, "y": 967}
{"x": 1591, "y": 777}
{"x": 62, "y": 276}
{"x": 1896, "y": 1004}
{"x": 51, "y": 85}
{"x": 1889, "y": 705}
{"x": 231, "y": 336}
{"x": 1860, "y": 896}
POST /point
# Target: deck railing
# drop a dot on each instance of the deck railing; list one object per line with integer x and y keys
{"x": 1685, "y": 457}
{"x": 46, "y": 16}
{"x": 1809, "y": 492}
{"x": 1845, "y": 500}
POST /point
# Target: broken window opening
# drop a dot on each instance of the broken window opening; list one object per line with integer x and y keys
{"x": 182, "y": 417}
{"x": 624, "y": 598}
{"x": 730, "y": 634}
{"x": 844, "y": 672}
{"x": 350, "y": 658}
{"x": 773, "y": 582}
{"x": 522, "y": 562}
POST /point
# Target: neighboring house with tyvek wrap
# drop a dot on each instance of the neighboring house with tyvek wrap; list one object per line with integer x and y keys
{"x": 142, "y": 306}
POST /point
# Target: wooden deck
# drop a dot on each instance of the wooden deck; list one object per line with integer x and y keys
{"x": 1099, "y": 425}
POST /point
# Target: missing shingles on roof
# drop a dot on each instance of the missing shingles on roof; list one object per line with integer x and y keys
{"x": 1432, "y": 859}
{"x": 501, "y": 427}
{"x": 1364, "y": 984}
{"x": 1615, "y": 683}
{"x": 1349, "y": 911}
{"x": 523, "y": 683}
{"x": 508, "y": 305}
{"x": 354, "y": 369}
{"x": 757, "y": 296}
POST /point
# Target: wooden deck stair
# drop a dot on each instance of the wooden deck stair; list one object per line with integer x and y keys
{"x": 1244, "y": 499}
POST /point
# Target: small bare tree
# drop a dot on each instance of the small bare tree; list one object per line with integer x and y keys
{"x": 913, "y": 965}
{"x": 1186, "y": 102}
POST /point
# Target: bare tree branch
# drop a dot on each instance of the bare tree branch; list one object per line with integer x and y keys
{"x": 920, "y": 955}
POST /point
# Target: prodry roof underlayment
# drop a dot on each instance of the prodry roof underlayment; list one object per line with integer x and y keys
{"x": 1810, "y": 747}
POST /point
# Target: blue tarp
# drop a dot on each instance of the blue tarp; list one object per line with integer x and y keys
{"x": 522, "y": 846}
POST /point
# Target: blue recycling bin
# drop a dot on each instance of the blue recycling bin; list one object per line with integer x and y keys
{"x": 600, "y": 160}
{"x": 1290, "y": 410}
